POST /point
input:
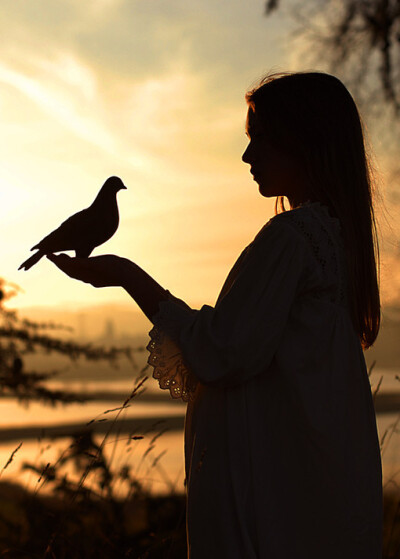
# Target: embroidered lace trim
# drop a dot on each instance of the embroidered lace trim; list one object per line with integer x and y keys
{"x": 323, "y": 234}
{"x": 169, "y": 368}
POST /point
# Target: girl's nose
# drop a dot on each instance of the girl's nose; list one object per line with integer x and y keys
{"x": 246, "y": 154}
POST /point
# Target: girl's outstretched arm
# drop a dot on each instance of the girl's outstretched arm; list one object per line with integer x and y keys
{"x": 110, "y": 270}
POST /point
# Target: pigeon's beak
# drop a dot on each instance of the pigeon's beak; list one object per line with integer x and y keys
{"x": 123, "y": 187}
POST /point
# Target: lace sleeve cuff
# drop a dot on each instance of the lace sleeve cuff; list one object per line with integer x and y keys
{"x": 165, "y": 355}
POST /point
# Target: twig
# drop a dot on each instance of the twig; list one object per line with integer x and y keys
{"x": 11, "y": 458}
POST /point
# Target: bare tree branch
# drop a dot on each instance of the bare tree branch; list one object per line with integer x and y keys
{"x": 361, "y": 37}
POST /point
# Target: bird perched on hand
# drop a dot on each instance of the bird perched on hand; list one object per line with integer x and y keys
{"x": 85, "y": 230}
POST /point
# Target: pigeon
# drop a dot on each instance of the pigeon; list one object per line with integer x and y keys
{"x": 85, "y": 230}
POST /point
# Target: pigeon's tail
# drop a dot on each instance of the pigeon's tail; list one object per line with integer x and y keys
{"x": 32, "y": 260}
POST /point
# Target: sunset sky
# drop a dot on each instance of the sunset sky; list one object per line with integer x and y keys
{"x": 152, "y": 91}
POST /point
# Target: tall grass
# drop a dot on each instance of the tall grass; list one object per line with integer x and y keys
{"x": 91, "y": 507}
{"x": 83, "y": 505}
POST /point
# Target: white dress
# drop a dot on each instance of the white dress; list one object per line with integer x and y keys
{"x": 281, "y": 446}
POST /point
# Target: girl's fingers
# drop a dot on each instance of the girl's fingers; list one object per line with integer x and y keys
{"x": 96, "y": 270}
{"x": 82, "y": 269}
{"x": 58, "y": 258}
{"x": 62, "y": 261}
{"x": 66, "y": 264}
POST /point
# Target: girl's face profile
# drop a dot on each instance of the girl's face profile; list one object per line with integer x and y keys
{"x": 277, "y": 173}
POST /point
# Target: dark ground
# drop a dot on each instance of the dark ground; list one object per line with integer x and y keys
{"x": 82, "y": 527}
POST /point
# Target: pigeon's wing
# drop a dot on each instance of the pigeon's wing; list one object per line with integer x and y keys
{"x": 69, "y": 234}
{"x": 101, "y": 222}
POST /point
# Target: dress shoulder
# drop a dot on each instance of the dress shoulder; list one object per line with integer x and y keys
{"x": 322, "y": 232}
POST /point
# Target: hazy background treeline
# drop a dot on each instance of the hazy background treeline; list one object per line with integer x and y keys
{"x": 123, "y": 325}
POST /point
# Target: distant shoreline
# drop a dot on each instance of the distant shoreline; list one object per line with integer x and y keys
{"x": 133, "y": 426}
{"x": 387, "y": 402}
{"x": 384, "y": 402}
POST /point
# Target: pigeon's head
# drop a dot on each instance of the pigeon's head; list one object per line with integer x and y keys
{"x": 114, "y": 184}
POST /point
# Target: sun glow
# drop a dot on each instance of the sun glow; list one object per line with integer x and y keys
{"x": 94, "y": 89}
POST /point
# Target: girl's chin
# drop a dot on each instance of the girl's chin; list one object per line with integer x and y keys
{"x": 267, "y": 193}
{"x": 264, "y": 190}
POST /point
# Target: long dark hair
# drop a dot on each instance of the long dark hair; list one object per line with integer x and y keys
{"x": 312, "y": 115}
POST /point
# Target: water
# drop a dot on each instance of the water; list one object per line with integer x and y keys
{"x": 159, "y": 464}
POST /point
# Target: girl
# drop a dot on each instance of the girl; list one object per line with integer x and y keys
{"x": 281, "y": 447}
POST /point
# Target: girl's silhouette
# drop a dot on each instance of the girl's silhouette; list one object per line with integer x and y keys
{"x": 281, "y": 446}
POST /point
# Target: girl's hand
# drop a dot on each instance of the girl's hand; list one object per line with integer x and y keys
{"x": 100, "y": 271}
{"x": 110, "y": 270}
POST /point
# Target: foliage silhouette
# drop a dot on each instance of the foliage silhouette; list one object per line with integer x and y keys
{"x": 359, "y": 38}
{"x": 20, "y": 338}
{"x": 84, "y": 513}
